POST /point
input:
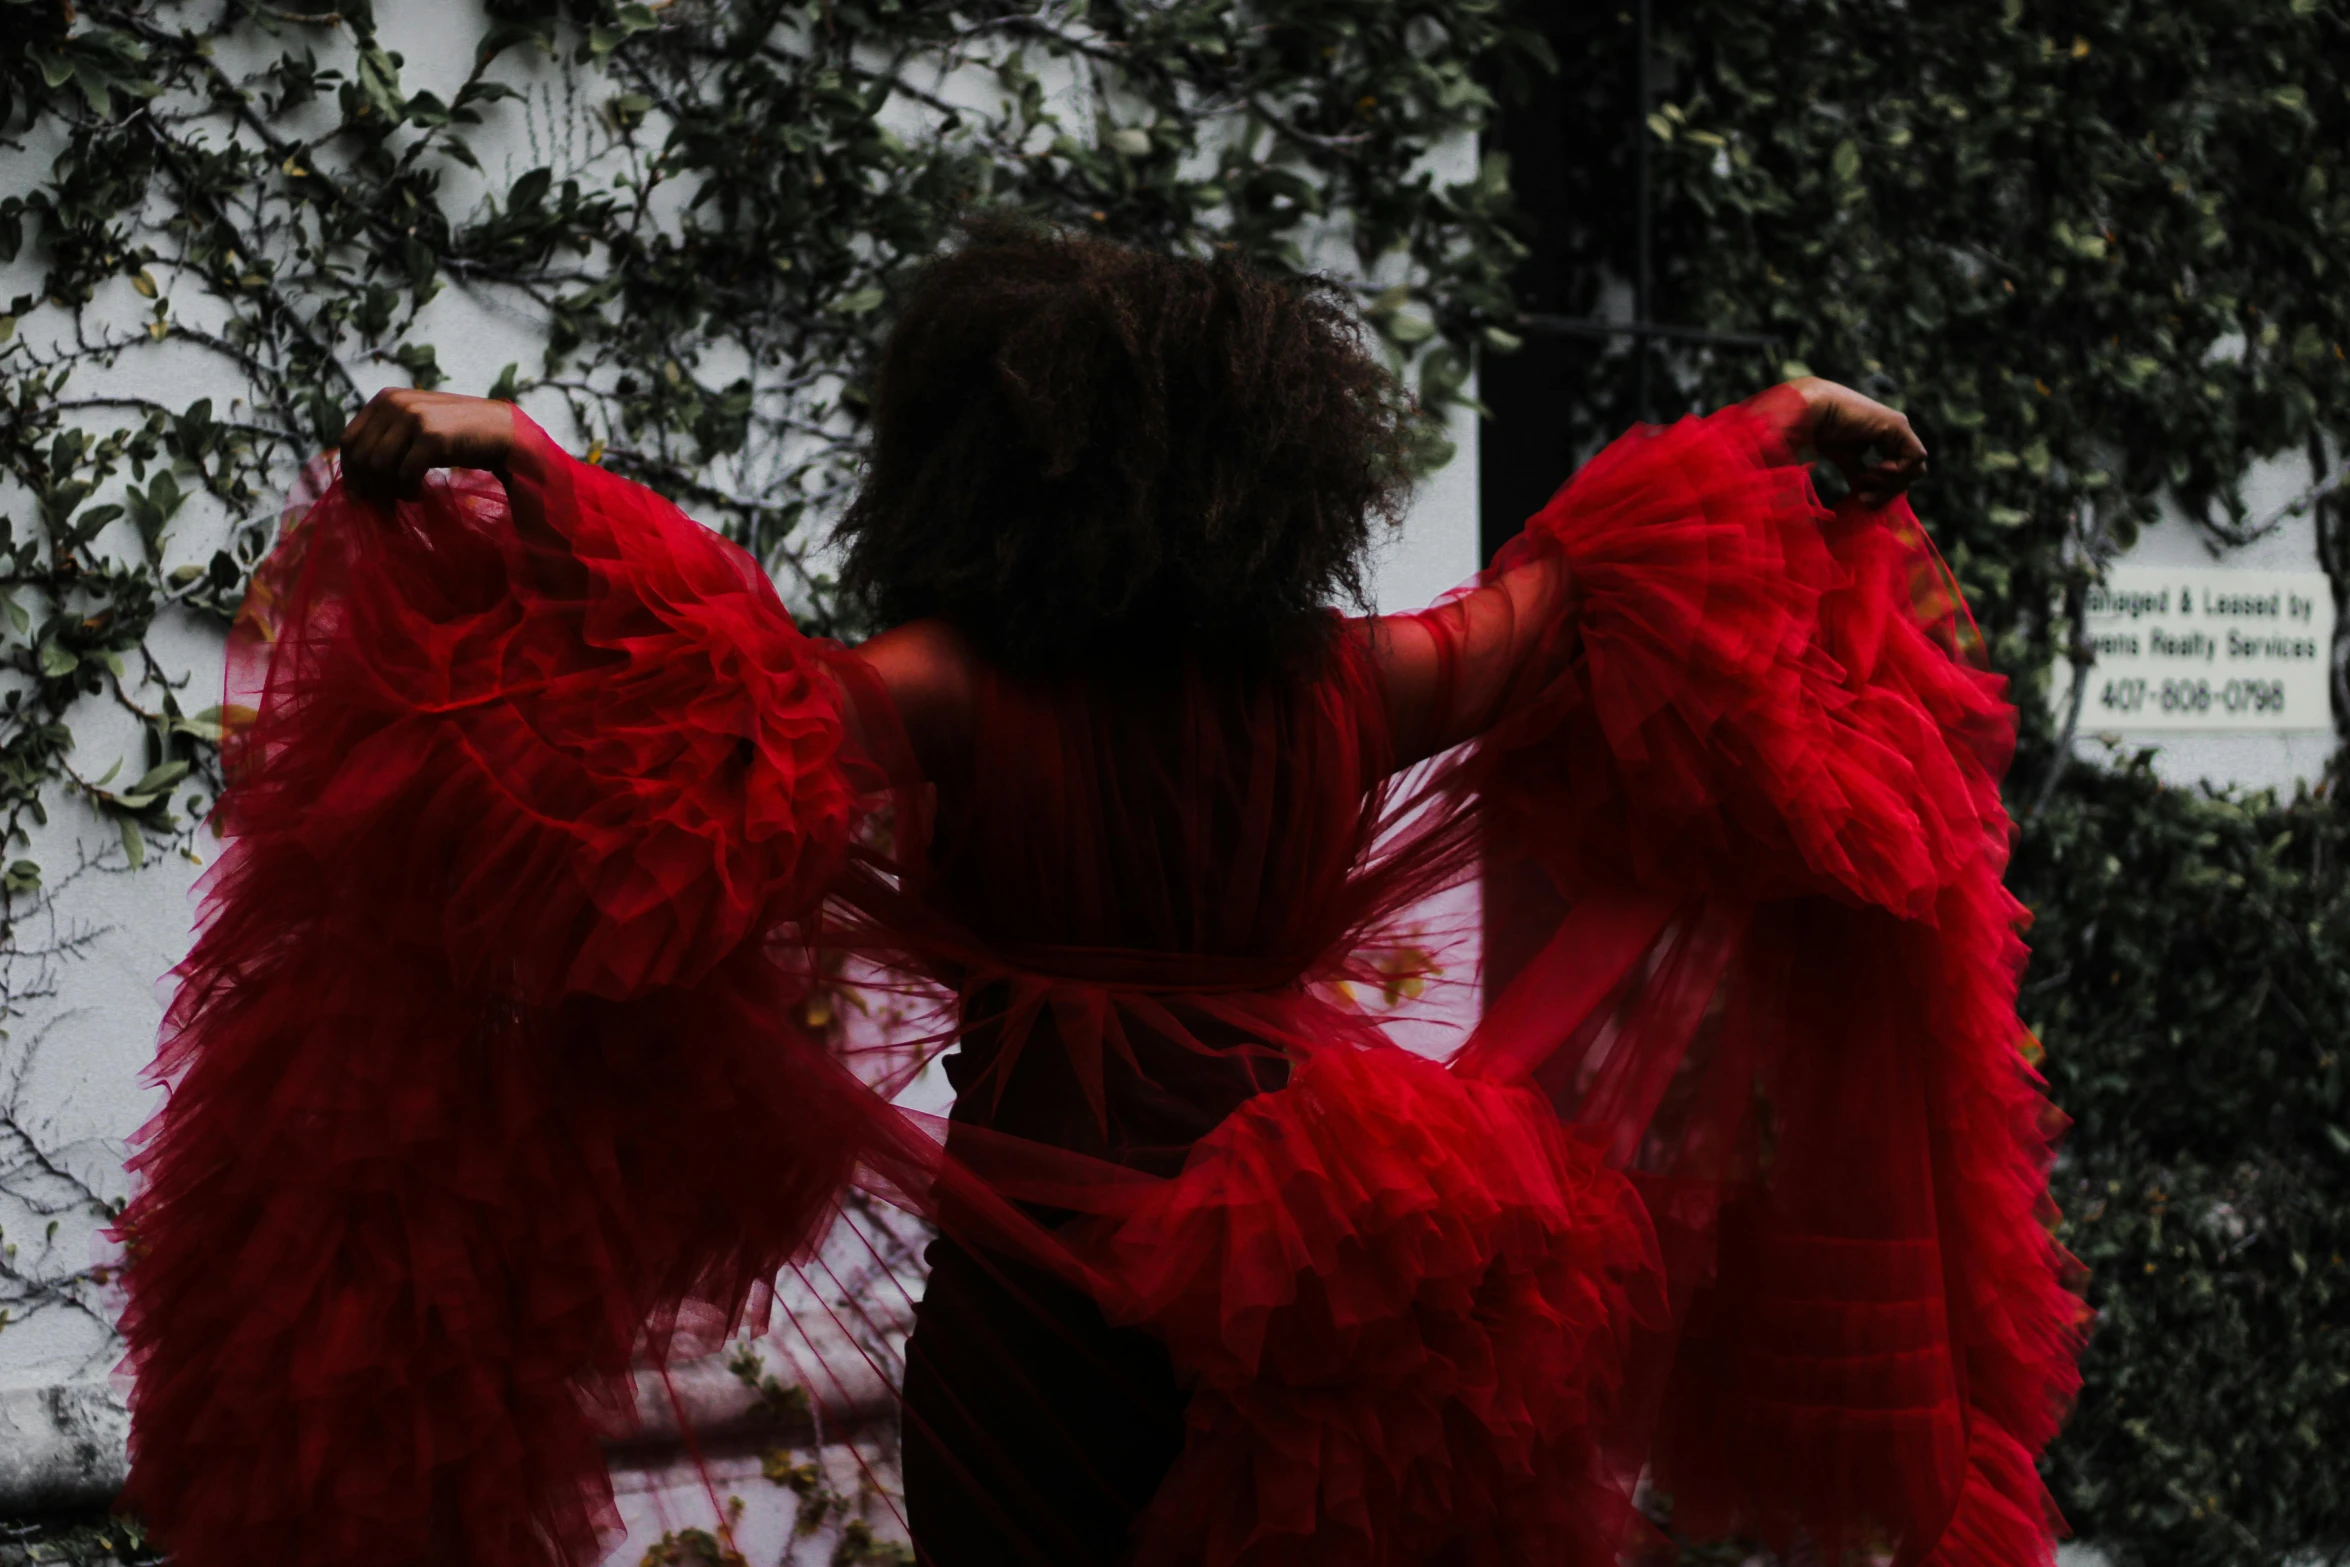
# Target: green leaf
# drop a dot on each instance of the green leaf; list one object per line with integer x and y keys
{"x": 160, "y": 778}
{"x": 134, "y": 842}
{"x": 422, "y": 364}
{"x": 58, "y": 662}
{"x": 859, "y": 303}
{"x": 97, "y": 87}
{"x": 379, "y": 85}
{"x": 326, "y": 416}
{"x": 205, "y": 726}
{"x": 91, "y": 520}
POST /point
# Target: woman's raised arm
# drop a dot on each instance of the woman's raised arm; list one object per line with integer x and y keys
{"x": 1448, "y": 671}
{"x": 403, "y": 434}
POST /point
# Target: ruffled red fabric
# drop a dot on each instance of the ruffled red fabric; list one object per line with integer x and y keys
{"x": 476, "y": 1026}
{"x": 1743, "y": 714}
{"x": 491, "y": 1063}
{"x": 1405, "y": 1300}
{"x": 1755, "y": 715}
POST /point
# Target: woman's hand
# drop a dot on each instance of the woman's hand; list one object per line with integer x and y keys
{"x": 1874, "y": 447}
{"x": 403, "y": 432}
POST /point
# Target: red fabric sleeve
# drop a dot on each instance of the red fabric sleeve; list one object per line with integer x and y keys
{"x": 494, "y": 1007}
{"x": 1774, "y": 971}
{"x": 1739, "y": 690}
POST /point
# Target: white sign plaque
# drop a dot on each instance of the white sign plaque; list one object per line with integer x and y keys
{"x": 2207, "y": 649}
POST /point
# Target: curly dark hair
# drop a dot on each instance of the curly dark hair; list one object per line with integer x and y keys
{"x": 1087, "y": 455}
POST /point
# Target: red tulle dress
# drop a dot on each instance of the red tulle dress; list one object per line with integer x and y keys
{"x": 508, "y": 1056}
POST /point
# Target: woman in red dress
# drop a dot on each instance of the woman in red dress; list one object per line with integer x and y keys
{"x": 502, "y": 1055}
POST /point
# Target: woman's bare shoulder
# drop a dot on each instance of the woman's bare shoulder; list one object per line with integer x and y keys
{"x": 931, "y": 672}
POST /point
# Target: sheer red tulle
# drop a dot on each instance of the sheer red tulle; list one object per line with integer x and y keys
{"x": 502, "y": 1054}
{"x": 1405, "y": 1299}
